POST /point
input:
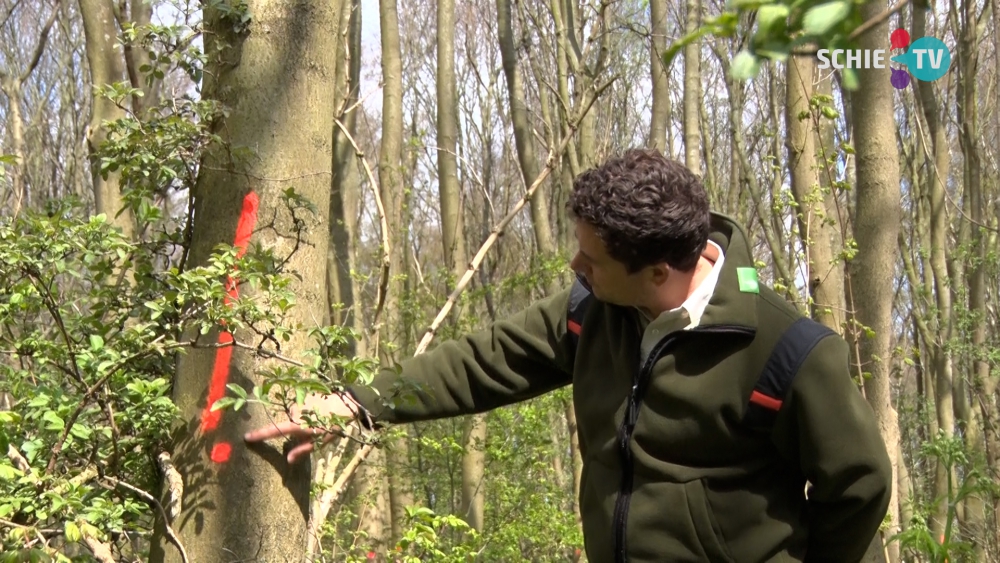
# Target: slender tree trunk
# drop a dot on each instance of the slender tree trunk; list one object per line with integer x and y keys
{"x": 692, "y": 90}
{"x": 342, "y": 290}
{"x": 660, "y": 112}
{"x": 520, "y": 116}
{"x": 106, "y": 67}
{"x": 391, "y": 187}
{"x": 937, "y": 176}
{"x": 276, "y": 79}
{"x": 876, "y": 227}
{"x": 825, "y": 276}
{"x": 983, "y": 385}
{"x": 452, "y": 227}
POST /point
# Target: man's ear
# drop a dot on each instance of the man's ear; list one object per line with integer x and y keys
{"x": 659, "y": 273}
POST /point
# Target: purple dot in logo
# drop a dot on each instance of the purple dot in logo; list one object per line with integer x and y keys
{"x": 900, "y": 78}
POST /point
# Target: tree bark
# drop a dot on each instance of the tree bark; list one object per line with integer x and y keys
{"x": 692, "y": 90}
{"x": 342, "y": 289}
{"x": 520, "y": 117}
{"x": 937, "y": 176}
{"x": 391, "y": 187}
{"x": 660, "y": 112}
{"x": 106, "y": 67}
{"x": 876, "y": 227}
{"x": 276, "y": 79}
{"x": 816, "y": 220}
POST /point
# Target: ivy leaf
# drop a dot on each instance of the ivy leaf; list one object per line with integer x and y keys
{"x": 820, "y": 19}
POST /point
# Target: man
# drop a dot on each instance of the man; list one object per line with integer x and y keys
{"x": 665, "y": 338}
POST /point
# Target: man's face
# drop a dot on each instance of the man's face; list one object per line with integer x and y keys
{"x": 608, "y": 278}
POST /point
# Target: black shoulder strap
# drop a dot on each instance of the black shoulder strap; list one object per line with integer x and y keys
{"x": 580, "y": 298}
{"x": 775, "y": 379}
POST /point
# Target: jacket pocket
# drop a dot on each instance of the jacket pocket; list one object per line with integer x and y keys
{"x": 706, "y": 525}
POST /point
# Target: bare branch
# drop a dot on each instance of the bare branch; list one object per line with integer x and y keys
{"x": 42, "y": 40}
{"x": 383, "y": 284}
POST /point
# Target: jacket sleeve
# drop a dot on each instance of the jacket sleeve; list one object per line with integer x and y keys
{"x": 514, "y": 359}
{"x": 827, "y": 425}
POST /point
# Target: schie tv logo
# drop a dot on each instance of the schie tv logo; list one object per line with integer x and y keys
{"x": 927, "y": 58}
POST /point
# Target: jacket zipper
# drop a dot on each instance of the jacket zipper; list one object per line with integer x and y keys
{"x": 640, "y": 382}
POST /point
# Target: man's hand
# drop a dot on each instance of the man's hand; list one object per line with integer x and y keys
{"x": 321, "y": 405}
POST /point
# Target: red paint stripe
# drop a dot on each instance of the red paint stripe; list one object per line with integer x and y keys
{"x": 220, "y": 371}
{"x": 765, "y": 401}
{"x": 574, "y": 327}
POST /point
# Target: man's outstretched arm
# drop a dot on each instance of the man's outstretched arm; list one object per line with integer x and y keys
{"x": 827, "y": 426}
{"x": 515, "y": 359}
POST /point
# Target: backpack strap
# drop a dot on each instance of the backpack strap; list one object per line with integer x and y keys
{"x": 774, "y": 381}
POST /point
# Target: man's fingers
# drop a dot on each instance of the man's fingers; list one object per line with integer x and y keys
{"x": 299, "y": 451}
{"x": 281, "y": 429}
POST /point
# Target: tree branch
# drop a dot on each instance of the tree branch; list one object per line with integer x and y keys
{"x": 153, "y": 502}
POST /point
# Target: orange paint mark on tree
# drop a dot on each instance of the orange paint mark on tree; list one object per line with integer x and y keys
{"x": 220, "y": 370}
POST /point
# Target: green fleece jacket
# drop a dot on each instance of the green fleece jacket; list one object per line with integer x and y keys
{"x": 671, "y": 472}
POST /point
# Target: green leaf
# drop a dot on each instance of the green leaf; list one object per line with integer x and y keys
{"x": 769, "y": 16}
{"x": 9, "y": 472}
{"x": 237, "y": 390}
{"x": 745, "y": 66}
{"x": 96, "y": 342}
{"x": 54, "y": 421}
{"x": 72, "y": 532}
{"x": 223, "y": 403}
{"x": 16, "y": 298}
{"x": 820, "y": 19}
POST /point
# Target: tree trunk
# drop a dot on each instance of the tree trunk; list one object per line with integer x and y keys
{"x": 660, "y": 112}
{"x": 692, "y": 90}
{"x": 984, "y": 389}
{"x": 391, "y": 188}
{"x": 520, "y": 117}
{"x": 453, "y": 238}
{"x": 876, "y": 227}
{"x": 342, "y": 289}
{"x": 937, "y": 176}
{"x": 106, "y": 67}
{"x": 816, "y": 226}
{"x": 277, "y": 81}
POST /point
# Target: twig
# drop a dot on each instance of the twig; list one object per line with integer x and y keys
{"x": 383, "y": 284}
{"x": 152, "y": 500}
{"x": 328, "y": 496}
{"x": 17, "y": 459}
{"x": 174, "y": 484}
{"x": 101, "y": 550}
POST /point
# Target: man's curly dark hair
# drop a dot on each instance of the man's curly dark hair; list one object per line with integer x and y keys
{"x": 646, "y": 208}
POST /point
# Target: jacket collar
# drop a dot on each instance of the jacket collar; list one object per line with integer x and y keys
{"x": 729, "y": 304}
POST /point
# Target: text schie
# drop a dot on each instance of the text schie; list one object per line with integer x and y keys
{"x": 875, "y": 58}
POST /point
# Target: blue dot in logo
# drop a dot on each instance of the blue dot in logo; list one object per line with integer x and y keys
{"x": 927, "y": 59}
